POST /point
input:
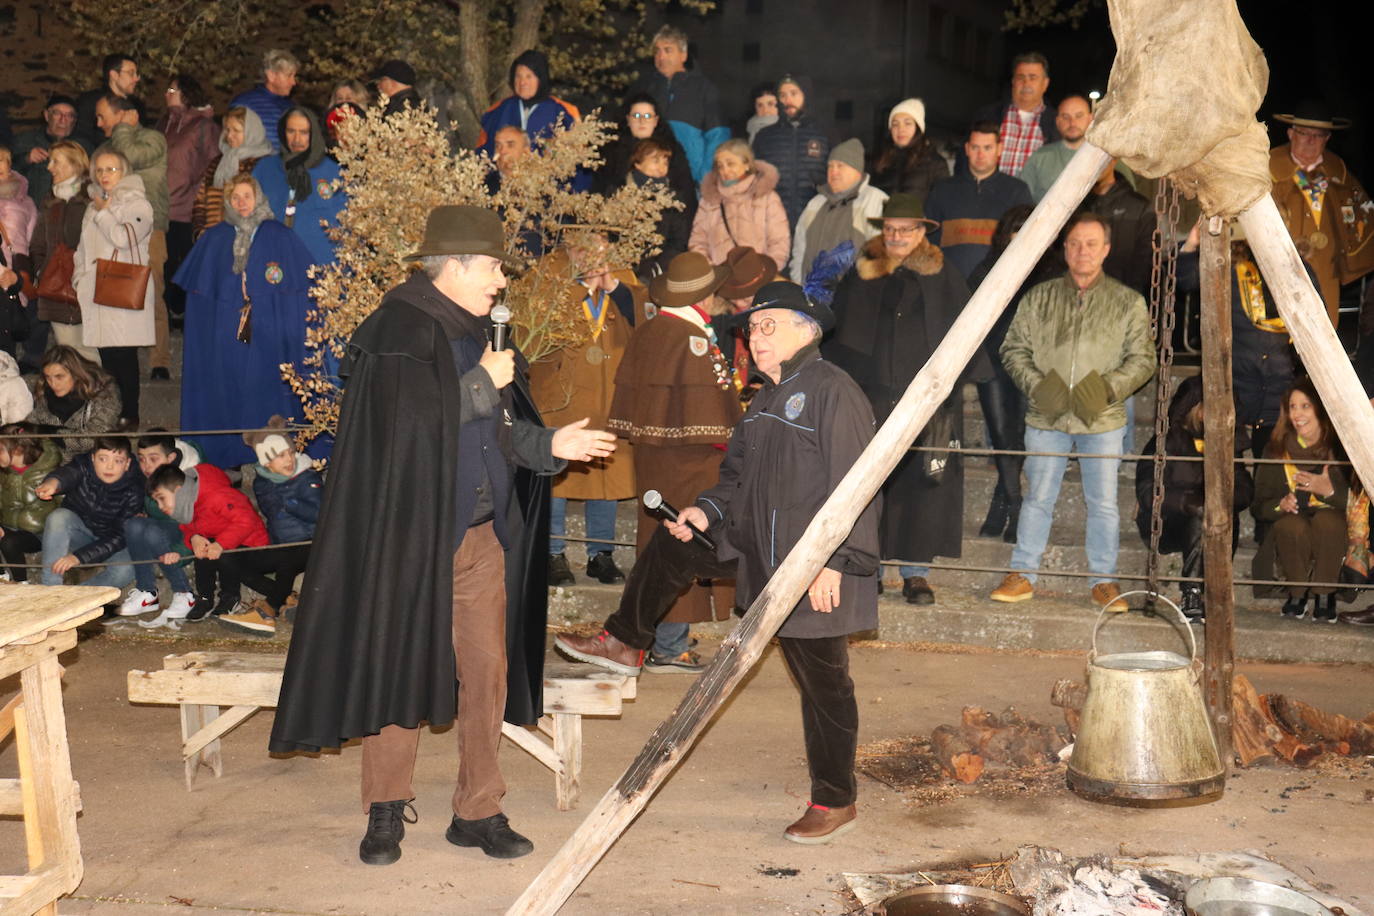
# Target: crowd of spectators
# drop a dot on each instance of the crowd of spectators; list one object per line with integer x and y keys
{"x": 233, "y": 208}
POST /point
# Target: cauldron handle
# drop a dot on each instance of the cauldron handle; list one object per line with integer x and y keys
{"x": 1102, "y": 615}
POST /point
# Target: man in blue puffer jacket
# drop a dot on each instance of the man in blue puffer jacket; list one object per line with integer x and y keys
{"x": 688, "y": 100}
{"x": 796, "y": 146}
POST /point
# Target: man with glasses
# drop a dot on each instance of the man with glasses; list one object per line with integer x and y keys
{"x": 31, "y": 147}
{"x": 891, "y": 312}
{"x": 121, "y": 78}
{"x": 1324, "y": 207}
{"x": 803, "y": 431}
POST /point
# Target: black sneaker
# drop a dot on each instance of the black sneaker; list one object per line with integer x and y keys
{"x": 1324, "y": 609}
{"x": 1192, "y": 605}
{"x": 602, "y": 568}
{"x": 1294, "y": 607}
{"x": 559, "y": 571}
{"x": 386, "y": 827}
{"x": 200, "y": 611}
{"x": 160, "y": 374}
{"x": 491, "y": 834}
{"x": 686, "y": 663}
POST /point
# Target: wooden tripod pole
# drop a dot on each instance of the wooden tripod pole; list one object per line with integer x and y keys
{"x": 1219, "y": 481}
{"x": 1316, "y": 342}
{"x": 671, "y": 740}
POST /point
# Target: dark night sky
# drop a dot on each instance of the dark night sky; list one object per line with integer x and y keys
{"x": 1308, "y": 58}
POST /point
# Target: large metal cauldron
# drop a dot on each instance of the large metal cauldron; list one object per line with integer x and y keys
{"x": 1145, "y": 736}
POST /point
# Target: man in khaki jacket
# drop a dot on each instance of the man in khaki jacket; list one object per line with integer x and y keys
{"x": 1078, "y": 346}
{"x": 1324, "y": 207}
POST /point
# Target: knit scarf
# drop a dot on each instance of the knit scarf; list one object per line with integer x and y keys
{"x": 244, "y": 228}
{"x": 66, "y": 190}
{"x": 184, "y": 501}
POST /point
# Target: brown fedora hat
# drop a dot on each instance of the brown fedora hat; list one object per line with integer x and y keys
{"x": 690, "y": 279}
{"x": 456, "y": 230}
{"x": 749, "y": 270}
{"x": 904, "y": 206}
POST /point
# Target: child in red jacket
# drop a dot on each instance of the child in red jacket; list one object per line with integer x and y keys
{"x": 213, "y": 517}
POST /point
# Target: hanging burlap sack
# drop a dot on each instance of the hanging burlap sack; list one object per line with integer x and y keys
{"x": 1182, "y": 97}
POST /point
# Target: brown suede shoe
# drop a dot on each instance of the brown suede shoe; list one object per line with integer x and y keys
{"x": 604, "y": 651}
{"x": 1107, "y": 595}
{"x": 1015, "y": 587}
{"x": 821, "y": 824}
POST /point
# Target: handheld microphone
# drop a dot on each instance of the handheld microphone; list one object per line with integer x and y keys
{"x": 500, "y": 327}
{"x": 657, "y": 505}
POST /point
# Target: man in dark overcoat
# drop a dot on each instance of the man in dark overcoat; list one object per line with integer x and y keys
{"x": 892, "y": 309}
{"x": 427, "y": 570}
{"x": 803, "y": 431}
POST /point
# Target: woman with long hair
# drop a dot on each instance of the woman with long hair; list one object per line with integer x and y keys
{"x": 75, "y": 397}
{"x": 1304, "y": 498}
{"x": 907, "y": 163}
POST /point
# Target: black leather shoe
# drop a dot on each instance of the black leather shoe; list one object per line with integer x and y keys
{"x": 996, "y": 522}
{"x": 602, "y": 568}
{"x": 559, "y": 571}
{"x": 491, "y": 834}
{"x": 916, "y": 590}
{"x": 386, "y": 827}
{"x": 1363, "y": 618}
{"x": 160, "y": 374}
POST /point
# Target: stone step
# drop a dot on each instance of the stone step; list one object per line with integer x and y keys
{"x": 1051, "y": 621}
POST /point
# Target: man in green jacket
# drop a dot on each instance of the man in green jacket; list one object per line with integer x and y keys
{"x": 1078, "y": 347}
{"x": 146, "y": 150}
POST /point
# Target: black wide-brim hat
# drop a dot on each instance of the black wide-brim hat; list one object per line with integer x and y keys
{"x": 1311, "y": 113}
{"x": 784, "y": 294}
{"x": 456, "y": 230}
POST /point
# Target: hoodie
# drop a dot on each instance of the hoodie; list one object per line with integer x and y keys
{"x": 536, "y": 116}
{"x": 16, "y": 400}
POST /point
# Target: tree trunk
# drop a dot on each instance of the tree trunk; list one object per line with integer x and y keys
{"x": 473, "y": 96}
{"x": 524, "y": 35}
{"x": 955, "y": 753}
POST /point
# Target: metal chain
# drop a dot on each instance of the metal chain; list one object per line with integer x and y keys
{"x": 1163, "y": 283}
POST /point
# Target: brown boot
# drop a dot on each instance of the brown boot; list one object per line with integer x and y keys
{"x": 821, "y": 824}
{"x": 604, "y": 651}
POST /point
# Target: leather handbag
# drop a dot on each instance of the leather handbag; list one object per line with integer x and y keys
{"x": 121, "y": 284}
{"x": 55, "y": 283}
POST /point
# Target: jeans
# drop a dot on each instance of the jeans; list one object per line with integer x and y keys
{"x": 671, "y": 639}
{"x": 1043, "y": 478}
{"x": 909, "y": 571}
{"x": 64, "y": 533}
{"x": 600, "y": 514}
{"x": 150, "y": 538}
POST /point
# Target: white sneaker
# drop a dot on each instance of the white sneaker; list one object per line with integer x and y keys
{"x": 162, "y": 620}
{"x": 138, "y": 602}
{"x": 182, "y": 603}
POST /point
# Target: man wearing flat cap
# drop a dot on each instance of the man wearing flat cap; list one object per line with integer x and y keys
{"x": 428, "y": 561}
{"x": 395, "y": 79}
{"x": 803, "y": 431}
{"x": 1323, "y": 205}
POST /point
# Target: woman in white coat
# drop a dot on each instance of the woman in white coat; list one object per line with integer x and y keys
{"x": 119, "y": 214}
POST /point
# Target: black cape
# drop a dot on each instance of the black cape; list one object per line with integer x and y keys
{"x": 373, "y": 636}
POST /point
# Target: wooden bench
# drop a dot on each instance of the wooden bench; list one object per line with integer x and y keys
{"x": 203, "y": 684}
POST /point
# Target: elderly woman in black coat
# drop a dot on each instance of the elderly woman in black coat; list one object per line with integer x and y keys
{"x": 892, "y": 309}
{"x": 1181, "y": 509}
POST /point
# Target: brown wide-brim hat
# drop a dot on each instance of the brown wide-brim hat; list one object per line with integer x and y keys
{"x": 455, "y": 230}
{"x": 1311, "y": 113}
{"x": 904, "y": 206}
{"x": 690, "y": 279}
{"x": 749, "y": 270}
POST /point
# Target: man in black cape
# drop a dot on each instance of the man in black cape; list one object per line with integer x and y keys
{"x": 427, "y": 573}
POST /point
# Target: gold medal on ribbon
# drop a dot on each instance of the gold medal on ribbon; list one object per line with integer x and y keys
{"x": 595, "y": 355}
{"x": 1318, "y": 240}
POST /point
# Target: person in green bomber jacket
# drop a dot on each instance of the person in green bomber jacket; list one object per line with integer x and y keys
{"x": 24, "y": 462}
{"x": 1078, "y": 347}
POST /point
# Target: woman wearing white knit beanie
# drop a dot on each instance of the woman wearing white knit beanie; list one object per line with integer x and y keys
{"x": 907, "y": 162}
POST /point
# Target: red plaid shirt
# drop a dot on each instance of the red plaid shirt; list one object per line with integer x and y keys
{"x": 1020, "y": 138}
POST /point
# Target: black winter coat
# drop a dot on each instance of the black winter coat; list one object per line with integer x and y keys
{"x": 896, "y": 173}
{"x": 373, "y": 641}
{"x": 798, "y": 149}
{"x": 1183, "y": 489}
{"x": 615, "y": 167}
{"x": 104, "y": 507}
{"x": 1132, "y": 219}
{"x": 889, "y": 318}
{"x": 795, "y": 444}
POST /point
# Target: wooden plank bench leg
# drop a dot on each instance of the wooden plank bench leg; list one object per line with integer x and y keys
{"x": 567, "y": 747}
{"x": 195, "y": 719}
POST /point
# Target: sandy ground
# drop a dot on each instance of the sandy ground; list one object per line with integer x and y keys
{"x": 280, "y": 835}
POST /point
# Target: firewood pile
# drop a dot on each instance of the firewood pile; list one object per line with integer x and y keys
{"x": 983, "y": 737}
{"x": 1268, "y": 728}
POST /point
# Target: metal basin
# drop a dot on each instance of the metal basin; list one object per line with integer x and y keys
{"x": 1244, "y": 897}
{"x": 953, "y": 900}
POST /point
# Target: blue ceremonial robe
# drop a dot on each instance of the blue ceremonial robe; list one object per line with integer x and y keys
{"x": 226, "y": 384}
{"x": 323, "y": 204}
